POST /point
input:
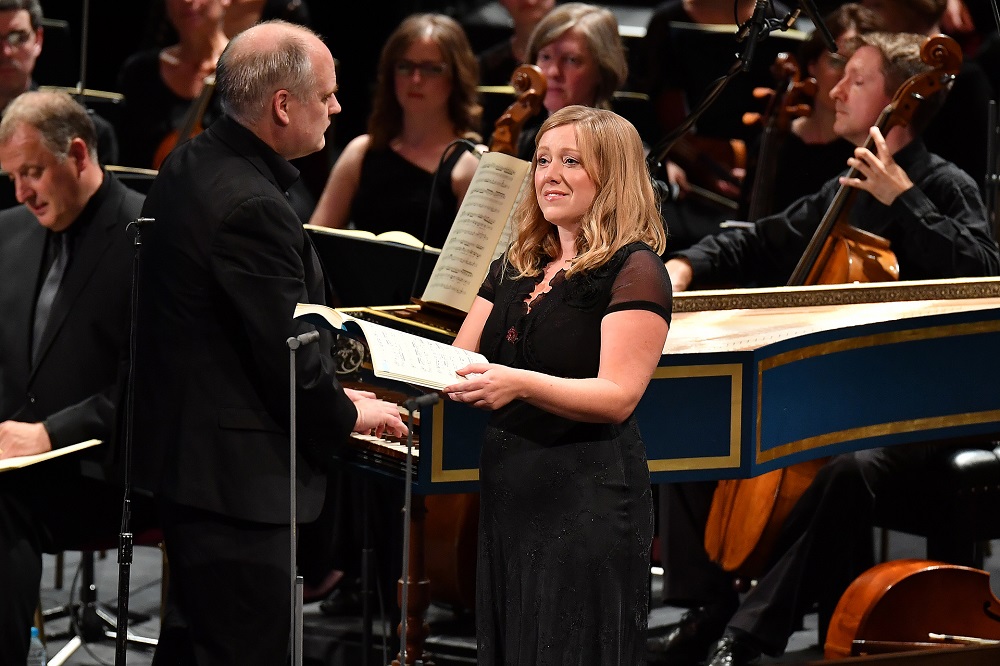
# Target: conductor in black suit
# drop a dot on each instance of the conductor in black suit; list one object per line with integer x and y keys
{"x": 64, "y": 295}
{"x": 223, "y": 266}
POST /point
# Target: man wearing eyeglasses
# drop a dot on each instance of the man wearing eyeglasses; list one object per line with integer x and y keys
{"x": 21, "y": 38}
{"x": 20, "y": 46}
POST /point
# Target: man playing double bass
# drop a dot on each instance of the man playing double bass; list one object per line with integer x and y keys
{"x": 932, "y": 214}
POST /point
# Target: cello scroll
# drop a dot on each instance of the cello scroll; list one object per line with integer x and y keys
{"x": 530, "y": 86}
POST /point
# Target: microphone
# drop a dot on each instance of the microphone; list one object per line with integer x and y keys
{"x": 754, "y": 30}
{"x": 135, "y": 226}
{"x": 303, "y": 339}
{"x": 426, "y": 400}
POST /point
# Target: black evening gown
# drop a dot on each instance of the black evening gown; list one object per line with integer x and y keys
{"x": 566, "y": 516}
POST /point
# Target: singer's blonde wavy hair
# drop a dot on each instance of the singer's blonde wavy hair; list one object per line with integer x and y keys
{"x": 623, "y": 211}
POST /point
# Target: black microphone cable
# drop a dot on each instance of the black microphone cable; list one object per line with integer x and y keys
{"x": 469, "y": 145}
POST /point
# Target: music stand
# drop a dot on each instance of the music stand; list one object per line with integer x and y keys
{"x": 366, "y": 272}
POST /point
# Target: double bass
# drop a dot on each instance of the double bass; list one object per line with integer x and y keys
{"x": 747, "y": 514}
{"x": 452, "y": 521}
{"x": 906, "y": 605}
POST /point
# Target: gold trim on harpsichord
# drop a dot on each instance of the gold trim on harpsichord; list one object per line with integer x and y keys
{"x": 732, "y": 461}
{"x": 878, "y": 429}
{"x": 438, "y": 473}
{"x": 838, "y": 294}
{"x": 386, "y": 312}
{"x": 877, "y": 340}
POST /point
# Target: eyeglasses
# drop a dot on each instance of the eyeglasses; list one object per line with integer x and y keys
{"x": 15, "y": 38}
{"x": 430, "y": 70}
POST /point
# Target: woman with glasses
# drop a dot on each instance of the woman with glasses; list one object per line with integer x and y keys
{"x": 425, "y": 99}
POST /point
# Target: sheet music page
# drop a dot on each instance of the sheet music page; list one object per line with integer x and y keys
{"x": 410, "y": 358}
{"x": 480, "y": 233}
{"x": 23, "y": 461}
{"x": 396, "y": 354}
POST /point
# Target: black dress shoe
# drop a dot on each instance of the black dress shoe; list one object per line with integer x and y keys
{"x": 732, "y": 650}
{"x": 688, "y": 642}
{"x": 344, "y": 600}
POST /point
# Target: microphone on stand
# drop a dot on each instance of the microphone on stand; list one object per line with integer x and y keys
{"x": 426, "y": 400}
{"x": 296, "y": 582}
{"x": 753, "y": 31}
{"x": 303, "y": 339}
{"x": 411, "y": 405}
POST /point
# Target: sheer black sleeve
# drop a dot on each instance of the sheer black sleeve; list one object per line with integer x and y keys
{"x": 642, "y": 284}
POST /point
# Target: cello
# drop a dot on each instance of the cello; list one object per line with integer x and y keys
{"x": 452, "y": 521}
{"x": 746, "y": 515}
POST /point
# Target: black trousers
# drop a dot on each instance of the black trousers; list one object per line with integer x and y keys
{"x": 44, "y": 509}
{"x": 230, "y": 590}
{"x": 824, "y": 545}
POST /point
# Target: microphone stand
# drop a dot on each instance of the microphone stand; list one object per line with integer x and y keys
{"x": 297, "y": 583}
{"x": 411, "y": 405}
{"x": 125, "y": 541}
{"x": 809, "y": 7}
{"x": 992, "y": 183}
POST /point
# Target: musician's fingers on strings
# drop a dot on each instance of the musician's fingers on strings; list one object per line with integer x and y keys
{"x": 880, "y": 145}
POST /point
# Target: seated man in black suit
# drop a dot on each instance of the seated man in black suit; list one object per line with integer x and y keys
{"x": 64, "y": 295}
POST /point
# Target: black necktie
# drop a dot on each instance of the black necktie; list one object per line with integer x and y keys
{"x": 50, "y": 287}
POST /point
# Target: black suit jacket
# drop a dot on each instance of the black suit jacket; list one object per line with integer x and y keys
{"x": 223, "y": 266}
{"x": 71, "y": 387}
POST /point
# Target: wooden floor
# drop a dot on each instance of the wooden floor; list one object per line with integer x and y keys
{"x": 334, "y": 642}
